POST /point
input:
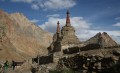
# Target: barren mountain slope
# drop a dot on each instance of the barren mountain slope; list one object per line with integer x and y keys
{"x": 26, "y": 38}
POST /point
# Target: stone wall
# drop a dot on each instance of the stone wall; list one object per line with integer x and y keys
{"x": 90, "y": 64}
{"x": 76, "y": 49}
{"x": 43, "y": 59}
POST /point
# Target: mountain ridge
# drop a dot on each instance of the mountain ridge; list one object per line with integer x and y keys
{"x": 103, "y": 39}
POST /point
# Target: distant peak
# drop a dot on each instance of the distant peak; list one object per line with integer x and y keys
{"x": 104, "y": 33}
{"x": 98, "y": 34}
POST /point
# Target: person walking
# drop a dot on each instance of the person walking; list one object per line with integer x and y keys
{"x": 6, "y": 64}
{"x": 13, "y": 65}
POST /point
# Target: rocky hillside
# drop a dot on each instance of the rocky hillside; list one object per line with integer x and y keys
{"x": 20, "y": 39}
{"x": 104, "y": 40}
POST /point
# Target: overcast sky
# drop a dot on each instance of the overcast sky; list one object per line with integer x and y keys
{"x": 87, "y": 16}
